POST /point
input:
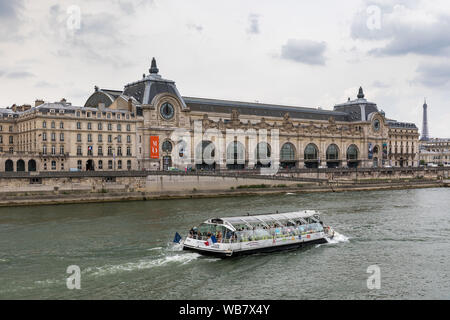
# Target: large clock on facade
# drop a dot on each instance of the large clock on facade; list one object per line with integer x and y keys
{"x": 167, "y": 111}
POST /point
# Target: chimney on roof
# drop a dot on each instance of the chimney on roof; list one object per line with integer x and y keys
{"x": 63, "y": 100}
{"x": 130, "y": 105}
{"x": 38, "y": 102}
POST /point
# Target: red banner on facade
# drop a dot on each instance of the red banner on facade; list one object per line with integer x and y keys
{"x": 154, "y": 147}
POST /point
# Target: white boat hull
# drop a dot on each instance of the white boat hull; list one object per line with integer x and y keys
{"x": 250, "y": 247}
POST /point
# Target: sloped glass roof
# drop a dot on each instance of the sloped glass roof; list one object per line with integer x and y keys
{"x": 266, "y": 218}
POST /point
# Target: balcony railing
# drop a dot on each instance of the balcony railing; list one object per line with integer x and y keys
{"x": 55, "y": 155}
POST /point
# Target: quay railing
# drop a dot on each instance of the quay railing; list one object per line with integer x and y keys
{"x": 287, "y": 175}
{"x": 118, "y": 174}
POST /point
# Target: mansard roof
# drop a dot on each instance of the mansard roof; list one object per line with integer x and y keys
{"x": 64, "y": 107}
{"x": 7, "y": 112}
{"x": 401, "y": 125}
{"x": 151, "y": 85}
{"x": 358, "y": 109}
{"x": 105, "y": 96}
{"x": 113, "y": 93}
{"x": 261, "y": 109}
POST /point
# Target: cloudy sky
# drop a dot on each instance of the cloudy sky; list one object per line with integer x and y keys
{"x": 303, "y": 53}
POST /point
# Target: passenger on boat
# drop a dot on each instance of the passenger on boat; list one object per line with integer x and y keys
{"x": 193, "y": 232}
{"x": 219, "y": 237}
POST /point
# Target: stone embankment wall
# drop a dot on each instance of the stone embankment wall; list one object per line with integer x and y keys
{"x": 50, "y": 188}
{"x": 150, "y": 183}
{"x": 370, "y": 173}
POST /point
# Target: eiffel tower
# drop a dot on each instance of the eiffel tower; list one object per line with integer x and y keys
{"x": 425, "y": 134}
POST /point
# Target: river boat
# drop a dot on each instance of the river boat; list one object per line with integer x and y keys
{"x": 234, "y": 236}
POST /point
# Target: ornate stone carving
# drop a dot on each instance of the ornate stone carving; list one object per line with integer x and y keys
{"x": 311, "y": 128}
{"x": 287, "y": 122}
{"x": 331, "y": 128}
{"x": 220, "y": 124}
{"x": 235, "y": 122}
{"x": 205, "y": 121}
{"x": 234, "y": 115}
{"x": 263, "y": 124}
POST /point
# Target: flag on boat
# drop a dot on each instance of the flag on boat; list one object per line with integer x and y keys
{"x": 177, "y": 238}
{"x": 211, "y": 241}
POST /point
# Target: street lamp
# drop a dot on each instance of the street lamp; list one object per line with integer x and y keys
{"x": 318, "y": 168}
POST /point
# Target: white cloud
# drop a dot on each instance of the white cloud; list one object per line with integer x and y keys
{"x": 10, "y": 18}
{"x": 226, "y": 49}
{"x": 196, "y": 27}
{"x": 253, "y": 20}
{"x": 402, "y": 29}
{"x": 304, "y": 51}
{"x": 434, "y": 74}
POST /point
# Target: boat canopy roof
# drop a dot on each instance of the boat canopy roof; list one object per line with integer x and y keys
{"x": 267, "y": 219}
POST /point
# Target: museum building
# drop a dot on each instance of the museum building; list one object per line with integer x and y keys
{"x": 134, "y": 129}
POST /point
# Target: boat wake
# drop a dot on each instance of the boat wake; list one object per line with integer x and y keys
{"x": 172, "y": 255}
{"x": 143, "y": 264}
{"x": 174, "y": 247}
{"x": 155, "y": 249}
{"x": 338, "y": 238}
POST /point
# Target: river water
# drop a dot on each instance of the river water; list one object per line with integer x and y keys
{"x": 124, "y": 250}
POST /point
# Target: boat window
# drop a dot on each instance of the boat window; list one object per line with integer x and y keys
{"x": 205, "y": 230}
{"x": 260, "y": 227}
{"x": 264, "y": 233}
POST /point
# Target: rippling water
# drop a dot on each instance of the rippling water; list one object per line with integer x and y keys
{"x": 124, "y": 249}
